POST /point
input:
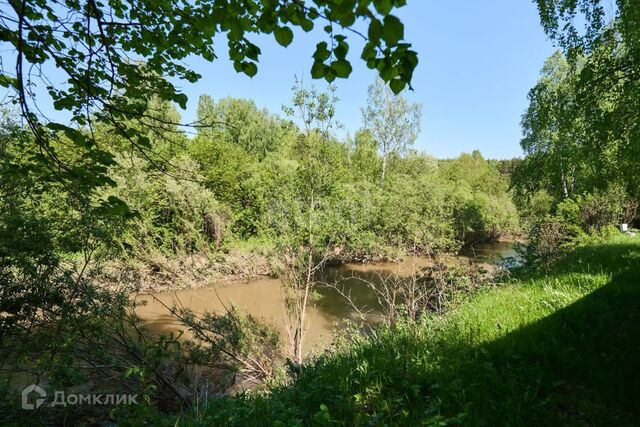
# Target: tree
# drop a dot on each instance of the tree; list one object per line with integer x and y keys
{"x": 365, "y": 160}
{"x": 232, "y": 141}
{"x": 306, "y": 232}
{"x": 553, "y": 129}
{"x": 605, "y": 58}
{"x": 558, "y": 18}
{"x": 240, "y": 122}
{"x": 581, "y": 131}
{"x": 478, "y": 193}
{"x": 116, "y": 56}
{"x": 392, "y": 120}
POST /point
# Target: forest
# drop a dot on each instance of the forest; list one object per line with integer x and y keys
{"x": 120, "y": 198}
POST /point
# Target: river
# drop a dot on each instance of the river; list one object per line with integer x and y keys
{"x": 263, "y": 297}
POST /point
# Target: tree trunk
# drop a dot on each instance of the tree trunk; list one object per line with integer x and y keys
{"x": 563, "y": 178}
{"x": 384, "y": 165}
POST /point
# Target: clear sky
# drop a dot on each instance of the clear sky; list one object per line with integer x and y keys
{"x": 478, "y": 60}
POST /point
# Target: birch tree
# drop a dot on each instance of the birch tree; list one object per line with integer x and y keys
{"x": 392, "y": 120}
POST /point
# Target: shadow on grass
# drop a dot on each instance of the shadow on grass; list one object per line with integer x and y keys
{"x": 577, "y": 366}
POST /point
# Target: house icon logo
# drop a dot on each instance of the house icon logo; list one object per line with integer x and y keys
{"x": 39, "y": 400}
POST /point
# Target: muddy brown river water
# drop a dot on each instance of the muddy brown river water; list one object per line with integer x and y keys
{"x": 263, "y": 298}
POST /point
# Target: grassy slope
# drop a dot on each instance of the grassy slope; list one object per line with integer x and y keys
{"x": 556, "y": 349}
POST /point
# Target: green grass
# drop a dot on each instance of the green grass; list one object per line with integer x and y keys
{"x": 561, "y": 348}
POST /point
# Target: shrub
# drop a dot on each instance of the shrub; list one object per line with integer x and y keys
{"x": 602, "y": 208}
{"x": 597, "y": 214}
{"x": 175, "y": 214}
{"x": 548, "y": 238}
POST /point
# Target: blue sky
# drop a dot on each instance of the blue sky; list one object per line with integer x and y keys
{"x": 478, "y": 60}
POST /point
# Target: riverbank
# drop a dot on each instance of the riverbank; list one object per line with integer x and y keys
{"x": 263, "y": 297}
{"x": 250, "y": 262}
{"x": 558, "y": 348}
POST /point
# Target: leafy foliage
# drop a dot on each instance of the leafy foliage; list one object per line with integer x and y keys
{"x": 581, "y": 128}
{"x": 175, "y": 215}
{"x": 581, "y": 138}
{"x": 558, "y": 19}
{"x": 118, "y": 56}
{"x": 554, "y": 232}
{"x": 391, "y": 120}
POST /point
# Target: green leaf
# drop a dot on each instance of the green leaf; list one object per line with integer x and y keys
{"x": 181, "y": 99}
{"x": 57, "y": 126}
{"x": 342, "y": 67}
{"x": 77, "y": 137}
{"x": 318, "y": 69}
{"x": 375, "y": 30}
{"x": 322, "y": 52}
{"x": 393, "y": 30}
{"x": 341, "y": 50}
{"x": 252, "y": 51}
{"x": 6, "y": 81}
{"x": 368, "y": 52}
{"x": 397, "y": 85}
{"x": 114, "y": 206}
{"x": 313, "y": 13}
{"x": 143, "y": 141}
{"x": 249, "y": 68}
{"x": 307, "y": 25}
{"x": 329, "y": 74}
{"x": 284, "y": 36}
{"x": 383, "y": 6}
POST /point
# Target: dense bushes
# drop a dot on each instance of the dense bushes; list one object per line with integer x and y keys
{"x": 176, "y": 215}
{"x": 247, "y": 176}
{"x": 554, "y": 231}
{"x": 483, "y": 209}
